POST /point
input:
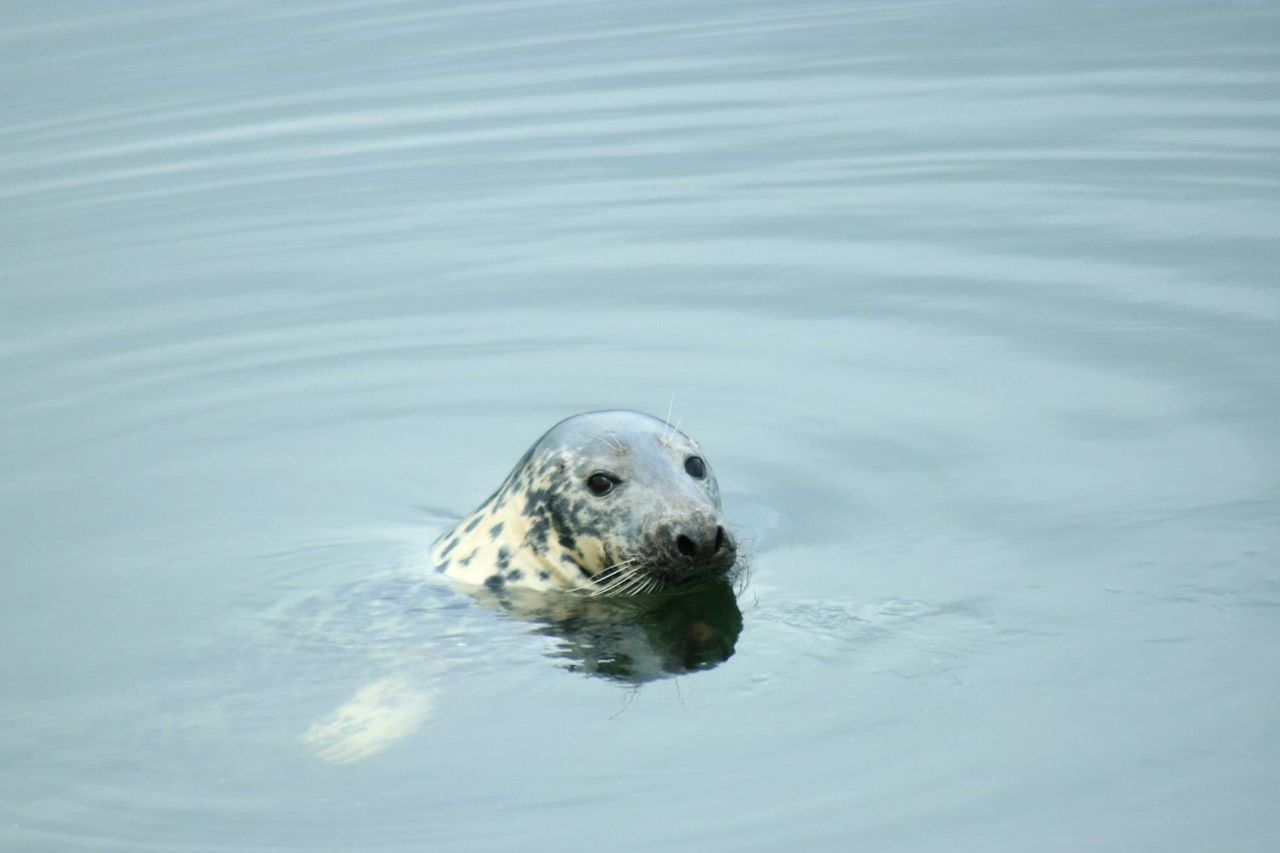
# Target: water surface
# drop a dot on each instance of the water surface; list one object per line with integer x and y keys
{"x": 973, "y": 307}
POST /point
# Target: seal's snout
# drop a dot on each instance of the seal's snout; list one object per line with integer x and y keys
{"x": 701, "y": 544}
{"x": 702, "y": 547}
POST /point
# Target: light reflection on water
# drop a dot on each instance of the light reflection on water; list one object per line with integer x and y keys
{"x": 972, "y": 305}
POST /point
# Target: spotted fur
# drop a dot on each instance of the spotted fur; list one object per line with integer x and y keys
{"x": 659, "y": 526}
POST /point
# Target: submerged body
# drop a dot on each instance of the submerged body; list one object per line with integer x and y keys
{"x": 615, "y": 502}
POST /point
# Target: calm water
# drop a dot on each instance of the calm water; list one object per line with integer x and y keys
{"x": 973, "y": 306}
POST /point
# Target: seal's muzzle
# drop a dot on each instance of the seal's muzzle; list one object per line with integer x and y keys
{"x": 693, "y": 546}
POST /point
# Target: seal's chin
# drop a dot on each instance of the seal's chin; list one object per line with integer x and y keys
{"x": 669, "y": 575}
{"x": 645, "y": 578}
{"x": 682, "y": 573}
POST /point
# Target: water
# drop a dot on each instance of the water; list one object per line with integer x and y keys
{"x": 973, "y": 307}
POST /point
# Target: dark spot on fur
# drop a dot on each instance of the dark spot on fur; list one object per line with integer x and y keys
{"x": 544, "y": 576}
{"x": 561, "y": 519}
{"x": 495, "y": 531}
{"x": 504, "y": 558}
{"x": 453, "y": 543}
{"x": 533, "y": 499}
{"x": 537, "y": 536}
{"x": 569, "y": 561}
{"x": 494, "y": 582}
{"x": 466, "y": 561}
{"x": 441, "y": 568}
{"x": 472, "y": 524}
{"x": 514, "y": 575}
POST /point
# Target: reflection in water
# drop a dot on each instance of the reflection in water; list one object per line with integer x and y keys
{"x": 644, "y": 638}
{"x": 632, "y": 640}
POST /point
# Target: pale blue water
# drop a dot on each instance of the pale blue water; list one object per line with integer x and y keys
{"x": 973, "y": 305}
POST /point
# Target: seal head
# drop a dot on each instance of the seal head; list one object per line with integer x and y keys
{"x": 614, "y": 502}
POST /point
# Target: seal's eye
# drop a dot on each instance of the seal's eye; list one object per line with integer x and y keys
{"x": 696, "y": 467}
{"x": 600, "y": 484}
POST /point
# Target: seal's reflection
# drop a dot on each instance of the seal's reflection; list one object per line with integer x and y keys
{"x": 637, "y": 638}
{"x": 629, "y": 640}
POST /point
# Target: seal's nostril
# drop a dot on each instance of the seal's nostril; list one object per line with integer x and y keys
{"x": 719, "y": 539}
{"x": 685, "y": 545}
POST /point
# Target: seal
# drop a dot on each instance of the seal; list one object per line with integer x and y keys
{"x": 605, "y": 503}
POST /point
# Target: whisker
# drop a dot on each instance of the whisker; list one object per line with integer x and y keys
{"x": 615, "y": 572}
{"x": 621, "y": 574}
{"x": 618, "y": 577}
{"x": 631, "y": 583}
{"x": 613, "y": 583}
{"x": 633, "y": 588}
{"x": 609, "y": 572}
